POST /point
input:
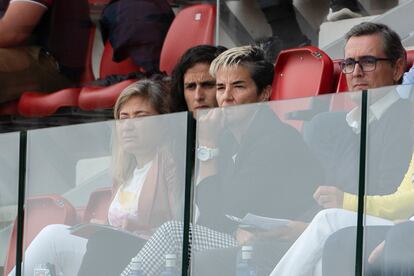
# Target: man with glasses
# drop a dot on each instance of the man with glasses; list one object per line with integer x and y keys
{"x": 374, "y": 57}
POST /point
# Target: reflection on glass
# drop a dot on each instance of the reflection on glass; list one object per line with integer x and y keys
{"x": 394, "y": 200}
{"x": 262, "y": 167}
{"x": 9, "y": 171}
{"x": 335, "y": 228}
{"x": 147, "y": 190}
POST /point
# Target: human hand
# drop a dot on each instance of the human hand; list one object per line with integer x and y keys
{"x": 132, "y": 224}
{"x": 244, "y": 236}
{"x": 329, "y": 197}
{"x": 209, "y": 126}
{"x": 376, "y": 253}
{"x": 291, "y": 231}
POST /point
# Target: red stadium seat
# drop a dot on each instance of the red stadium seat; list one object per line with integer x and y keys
{"x": 39, "y": 104}
{"x": 410, "y": 59}
{"x": 95, "y": 97}
{"x": 109, "y": 67}
{"x": 300, "y": 72}
{"x": 98, "y": 205}
{"x": 40, "y": 212}
{"x": 36, "y": 104}
{"x": 192, "y": 26}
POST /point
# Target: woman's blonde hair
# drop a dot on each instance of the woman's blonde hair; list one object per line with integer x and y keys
{"x": 157, "y": 94}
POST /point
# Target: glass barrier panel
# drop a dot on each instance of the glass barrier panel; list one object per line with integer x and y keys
{"x": 267, "y": 178}
{"x": 389, "y": 190}
{"x": 98, "y": 194}
{"x": 9, "y": 184}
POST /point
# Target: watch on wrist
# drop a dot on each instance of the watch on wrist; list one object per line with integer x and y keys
{"x": 205, "y": 153}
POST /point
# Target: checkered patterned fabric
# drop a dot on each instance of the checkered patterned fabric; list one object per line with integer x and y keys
{"x": 169, "y": 238}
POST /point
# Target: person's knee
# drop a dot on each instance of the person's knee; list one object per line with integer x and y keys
{"x": 343, "y": 239}
{"x": 14, "y": 60}
{"x": 328, "y": 214}
{"x": 53, "y": 229}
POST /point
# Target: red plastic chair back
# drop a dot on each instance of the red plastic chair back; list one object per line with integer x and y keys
{"x": 92, "y": 97}
{"x": 410, "y": 59}
{"x": 300, "y": 72}
{"x": 109, "y": 67}
{"x": 36, "y": 104}
{"x": 98, "y": 205}
{"x": 40, "y": 212}
{"x": 192, "y": 26}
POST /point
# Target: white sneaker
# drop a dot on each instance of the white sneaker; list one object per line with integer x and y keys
{"x": 343, "y": 13}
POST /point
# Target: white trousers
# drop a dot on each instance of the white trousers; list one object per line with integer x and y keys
{"x": 305, "y": 254}
{"x": 55, "y": 245}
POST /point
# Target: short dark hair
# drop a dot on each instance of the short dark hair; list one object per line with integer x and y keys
{"x": 251, "y": 57}
{"x": 198, "y": 54}
{"x": 393, "y": 48}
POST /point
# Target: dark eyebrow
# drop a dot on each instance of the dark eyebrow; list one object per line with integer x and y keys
{"x": 203, "y": 82}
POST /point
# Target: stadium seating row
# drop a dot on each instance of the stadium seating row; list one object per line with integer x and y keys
{"x": 317, "y": 72}
{"x": 192, "y": 26}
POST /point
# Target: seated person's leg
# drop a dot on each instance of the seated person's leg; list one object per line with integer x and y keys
{"x": 340, "y": 249}
{"x": 266, "y": 253}
{"x": 343, "y": 9}
{"x": 169, "y": 239}
{"x": 399, "y": 250}
{"x": 215, "y": 262}
{"x": 28, "y": 69}
{"x": 54, "y": 245}
{"x": 108, "y": 252}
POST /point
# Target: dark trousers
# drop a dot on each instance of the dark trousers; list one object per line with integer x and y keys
{"x": 340, "y": 251}
{"x": 109, "y": 252}
{"x": 399, "y": 250}
{"x": 266, "y": 254}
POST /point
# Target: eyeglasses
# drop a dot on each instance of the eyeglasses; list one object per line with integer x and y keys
{"x": 367, "y": 64}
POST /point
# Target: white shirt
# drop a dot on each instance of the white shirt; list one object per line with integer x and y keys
{"x": 125, "y": 203}
{"x": 375, "y": 110}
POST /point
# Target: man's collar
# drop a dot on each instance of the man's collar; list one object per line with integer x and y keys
{"x": 375, "y": 110}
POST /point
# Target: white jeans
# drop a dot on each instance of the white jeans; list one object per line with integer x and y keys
{"x": 305, "y": 254}
{"x": 55, "y": 245}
